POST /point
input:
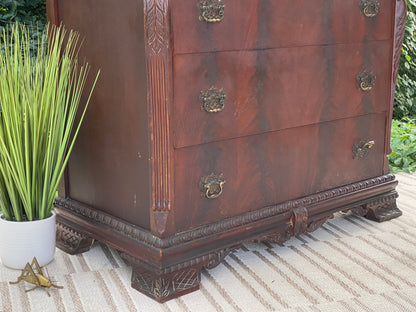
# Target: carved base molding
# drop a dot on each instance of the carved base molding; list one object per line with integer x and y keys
{"x": 71, "y": 241}
{"x": 299, "y": 224}
{"x": 165, "y": 268}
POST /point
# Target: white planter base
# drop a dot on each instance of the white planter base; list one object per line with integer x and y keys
{"x": 21, "y": 241}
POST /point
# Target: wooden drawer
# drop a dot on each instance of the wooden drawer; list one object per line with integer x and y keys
{"x": 276, "y": 89}
{"x": 259, "y": 24}
{"x": 271, "y": 168}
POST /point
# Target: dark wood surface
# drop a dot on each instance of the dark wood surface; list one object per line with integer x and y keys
{"x": 261, "y": 24}
{"x": 109, "y": 166}
{"x": 276, "y": 89}
{"x": 272, "y": 168}
{"x": 284, "y": 141}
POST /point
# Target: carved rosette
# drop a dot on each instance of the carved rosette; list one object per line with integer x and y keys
{"x": 159, "y": 72}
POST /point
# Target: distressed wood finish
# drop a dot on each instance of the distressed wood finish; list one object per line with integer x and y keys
{"x": 261, "y": 24}
{"x": 295, "y": 142}
{"x": 261, "y": 87}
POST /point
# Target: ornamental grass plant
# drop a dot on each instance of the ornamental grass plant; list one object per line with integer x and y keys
{"x": 39, "y": 98}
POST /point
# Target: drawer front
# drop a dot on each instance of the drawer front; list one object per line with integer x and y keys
{"x": 271, "y": 168}
{"x": 276, "y": 89}
{"x": 258, "y": 24}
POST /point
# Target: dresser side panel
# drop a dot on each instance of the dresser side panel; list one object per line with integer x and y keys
{"x": 109, "y": 166}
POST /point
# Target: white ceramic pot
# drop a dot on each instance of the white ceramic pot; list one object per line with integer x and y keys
{"x": 21, "y": 241}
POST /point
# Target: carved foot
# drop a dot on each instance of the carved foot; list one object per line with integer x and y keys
{"x": 71, "y": 241}
{"x": 382, "y": 208}
{"x": 163, "y": 285}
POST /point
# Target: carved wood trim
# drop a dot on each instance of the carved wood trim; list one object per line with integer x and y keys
{"x": 209, "y": 261}
{"x": 159, "y": 72}
{"x": 147, "y": 238}
{"x": 71, "y": 241}
{"x": 163, "y": 288}
{"x": 164, "y": 285}
{"x": 381, "y": 208}
{"x": 279, "y": 237}
{"x": 399, "y": 30}
{"x": 299, "y": 220}
{"x": 314, "y": 225}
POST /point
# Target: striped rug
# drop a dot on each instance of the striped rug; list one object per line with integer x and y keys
{"x": 350, "y": 264}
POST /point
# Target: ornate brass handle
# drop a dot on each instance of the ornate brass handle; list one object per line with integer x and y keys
{"x": 212, "y": 11}
{"x": 370, "y": 8}
{"x": 362, "y": 149}
{"x": 211, "y": 186}
{"x": 366, "y": 80}
{"x": 212, "y": 100}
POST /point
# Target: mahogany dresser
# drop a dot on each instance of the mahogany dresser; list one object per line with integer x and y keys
{"x": 217, "y": 122}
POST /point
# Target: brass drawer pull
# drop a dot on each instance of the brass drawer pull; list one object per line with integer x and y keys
{"x": 212, "y": 11}
{"x": 211, "y": 186}
{"x": 366, "y": 80}
{"x": 370, "y": 8}
{"x": 362, "y": 149}
{"x": 212, "y": 100}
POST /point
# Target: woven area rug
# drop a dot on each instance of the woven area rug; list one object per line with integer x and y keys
{"x": 350, "y": 264}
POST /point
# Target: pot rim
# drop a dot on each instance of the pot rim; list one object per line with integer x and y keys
{"x": 2, "y": 219}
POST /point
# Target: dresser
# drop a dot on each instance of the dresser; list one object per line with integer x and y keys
{"x": 217, "y": 122}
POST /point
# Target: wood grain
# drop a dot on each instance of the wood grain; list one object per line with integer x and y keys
{"x": 271, "y": 168}
{"x": 261, "y": 24}
{"x": 276, "y": 89}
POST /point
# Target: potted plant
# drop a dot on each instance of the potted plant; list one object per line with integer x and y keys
{"x": 40, "y": 92}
